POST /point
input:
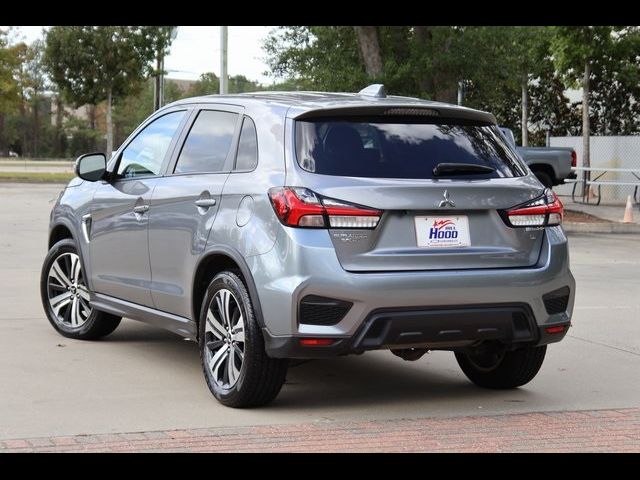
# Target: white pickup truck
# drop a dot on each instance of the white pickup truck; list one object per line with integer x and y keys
{"x": 552, "y": 165}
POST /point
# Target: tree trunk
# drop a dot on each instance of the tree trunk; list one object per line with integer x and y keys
{"x": 369, "y": 45}
{"x": 4, "y": 150}
{"x": 36, "y": 127}
{"x": 446, "y": 83}
{"x": 92, "y": 124}
{"x": 424, "y": 37}
{"x": 109, "y": 126}
{"x": 59, "y": 116}
{"x": 525, "y": 113}
{"x": 26, "y": 129}
{"x": 586, "y": 127}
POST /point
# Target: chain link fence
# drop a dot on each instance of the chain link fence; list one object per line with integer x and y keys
{"x": 611, "y": 152}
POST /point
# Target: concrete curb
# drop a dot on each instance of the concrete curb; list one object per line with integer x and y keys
{"x": 575, "y": 227}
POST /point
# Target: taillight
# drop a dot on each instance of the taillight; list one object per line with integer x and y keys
{"x": 545, "y": 211}
{"x": 300, "y": 207}
{"x": 574, "y": 158}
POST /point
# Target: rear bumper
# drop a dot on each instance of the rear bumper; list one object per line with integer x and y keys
{"x": 303, "y": 262}
{"x": 439, "y": 328}
{"x": 571, "y": 176}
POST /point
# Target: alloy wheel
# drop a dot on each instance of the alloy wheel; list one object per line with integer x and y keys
{"x": 224, "y": 338}
{"x": 67, "y": 291}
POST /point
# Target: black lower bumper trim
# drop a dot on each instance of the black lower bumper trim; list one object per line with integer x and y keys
{"x": 441, "y": 328}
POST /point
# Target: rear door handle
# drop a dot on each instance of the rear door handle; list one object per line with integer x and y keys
{"x": 206, "y": 202}
{"x": 141, "y": 209}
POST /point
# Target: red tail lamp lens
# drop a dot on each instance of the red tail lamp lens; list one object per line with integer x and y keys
{"x": 557, "y": 329}
{"x": 316, "y": 342}
{"x": 545, "y": 211}
{"x": 301, "y": 207}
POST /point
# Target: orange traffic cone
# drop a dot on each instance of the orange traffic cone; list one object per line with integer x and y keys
{"x": 628, "y": 211}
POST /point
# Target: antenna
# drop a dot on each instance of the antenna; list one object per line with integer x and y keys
{"x": 376, "y": 90}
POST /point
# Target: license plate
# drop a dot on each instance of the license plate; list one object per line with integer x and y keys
{"x": 442, "y": 232}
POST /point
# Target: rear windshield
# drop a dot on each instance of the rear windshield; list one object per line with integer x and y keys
{"x": 401, "y": 148}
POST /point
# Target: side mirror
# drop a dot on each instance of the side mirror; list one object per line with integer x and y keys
{"x": 91, "y": 166}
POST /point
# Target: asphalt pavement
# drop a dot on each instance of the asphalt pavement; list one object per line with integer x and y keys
{"x": 144, "y": 379}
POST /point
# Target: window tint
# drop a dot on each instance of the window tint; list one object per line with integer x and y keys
{"x": 247, "y": 157}
{"x": 145, "y": 154}
{"x": 407, "y": 148}
{"x": 208, "y": 143}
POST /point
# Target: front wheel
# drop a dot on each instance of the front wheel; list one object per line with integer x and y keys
{"x": 65, "y": 296}
{"x": 501, "y": 369}
{"x": 236, "y": 367}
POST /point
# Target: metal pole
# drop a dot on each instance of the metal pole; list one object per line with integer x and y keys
{"x": 460, "y": 92}
{"x": 224, "y": 88}
{"x": 161, "y": 96}
{"x": 156, "y": 84}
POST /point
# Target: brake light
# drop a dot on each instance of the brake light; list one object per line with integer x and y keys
{"x": 545, "y": 211}
{"x": 574, "y": 158}
{"x": 300, "y": 207}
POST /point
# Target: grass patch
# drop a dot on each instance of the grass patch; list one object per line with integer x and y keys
{"x": 35, "y": 177}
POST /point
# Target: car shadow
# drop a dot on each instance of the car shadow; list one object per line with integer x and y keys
{"x": 372, "y": 379}
{"x": 376, "y": 378}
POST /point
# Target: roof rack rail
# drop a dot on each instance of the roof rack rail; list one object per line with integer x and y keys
{"x": 376, "y": 90}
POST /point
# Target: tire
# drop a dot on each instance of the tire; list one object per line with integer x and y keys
{"x": 71, "y": 316}
{"x": 236, "y": 367}
{"x": 511, "y": 369}
{"x": 545, "y": 178}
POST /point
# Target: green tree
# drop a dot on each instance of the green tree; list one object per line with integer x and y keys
{"x": 209, "y": 84}
{"x": 575, "y": 50}
{"x": 91, "y": 64}
{"x": 35, "y": 107}
{"x": 614, "y": 90}
{"x": 10, "y": 60}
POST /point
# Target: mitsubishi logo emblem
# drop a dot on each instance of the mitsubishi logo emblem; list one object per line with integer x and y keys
{"x": 446, "y": 202}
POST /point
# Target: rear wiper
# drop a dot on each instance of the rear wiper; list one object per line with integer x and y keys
{"x": 460, "y": 169}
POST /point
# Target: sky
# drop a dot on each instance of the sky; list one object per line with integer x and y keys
{"x": 196, "y": 50}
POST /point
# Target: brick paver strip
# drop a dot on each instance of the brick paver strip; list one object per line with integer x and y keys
{"x": 575, "y": 431}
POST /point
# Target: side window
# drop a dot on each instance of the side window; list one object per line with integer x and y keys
{"x": 146, "y": 152}
{"x": 208, "y": 143}
{"x": 247, "y": 157}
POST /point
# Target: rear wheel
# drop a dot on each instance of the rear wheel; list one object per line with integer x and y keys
{"x": 236, "y": 367}
{"x": 65, "y": 296}
{"x": 501, "y": 369}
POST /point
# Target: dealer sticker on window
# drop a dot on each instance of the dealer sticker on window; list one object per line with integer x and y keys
{"x": 440, "y": 232}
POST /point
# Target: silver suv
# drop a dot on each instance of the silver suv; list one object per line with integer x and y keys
{"x": 277, "y": 226}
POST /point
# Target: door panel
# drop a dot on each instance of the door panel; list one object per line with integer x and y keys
{"x": 119, "y": 248}
{"x": 182, "y": 212}
{"x": 184, "y": 206}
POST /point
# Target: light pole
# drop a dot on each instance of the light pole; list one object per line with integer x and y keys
{"x": 224, "y": 86}
{"x": 158, "y": 96}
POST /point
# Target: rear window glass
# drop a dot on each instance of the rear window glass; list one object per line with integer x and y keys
{"x": 407, "y": 148}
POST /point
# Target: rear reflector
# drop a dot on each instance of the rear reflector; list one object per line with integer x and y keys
{"x": 301, "y": 207}
{"x": 557, "y": 329}
{"x": 545, "y": 211}
{"x": 316, "y": 342}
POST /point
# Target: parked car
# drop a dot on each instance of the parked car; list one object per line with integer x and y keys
{"x": 276, "y": 226}
{"x": 552, "y": 165}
